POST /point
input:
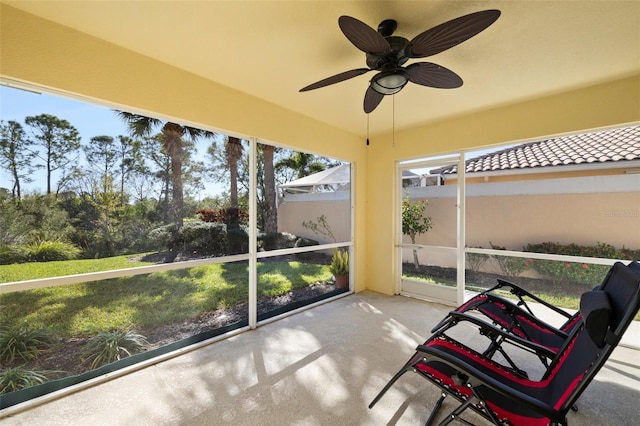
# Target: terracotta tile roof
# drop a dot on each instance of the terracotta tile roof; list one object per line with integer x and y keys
{"x": 599, "y": 147}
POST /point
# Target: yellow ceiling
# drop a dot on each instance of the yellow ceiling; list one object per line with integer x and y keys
{"x": 271, "y": 49}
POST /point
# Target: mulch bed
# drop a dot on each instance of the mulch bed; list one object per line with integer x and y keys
{"x": 65, "y": 357}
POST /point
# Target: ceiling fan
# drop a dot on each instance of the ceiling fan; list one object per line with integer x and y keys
{"x": 387, "y": 53}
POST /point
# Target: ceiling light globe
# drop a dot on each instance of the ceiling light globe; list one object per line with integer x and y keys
{"x": 389, "y": 82}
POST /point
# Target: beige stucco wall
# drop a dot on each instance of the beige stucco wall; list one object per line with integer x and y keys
{"x": 516, "y": 220}
{"x": 37, "y": 51}
{"x": 292, "y": 214}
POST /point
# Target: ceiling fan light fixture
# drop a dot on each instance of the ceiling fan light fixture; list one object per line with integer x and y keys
{"x": 389, "y": 82}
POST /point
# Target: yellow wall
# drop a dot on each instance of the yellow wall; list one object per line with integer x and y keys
{"x": 43, "y": 53}
{"x": 607, "y": 104}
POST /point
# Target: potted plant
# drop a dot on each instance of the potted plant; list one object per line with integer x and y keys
{"x": 340, "y": 267}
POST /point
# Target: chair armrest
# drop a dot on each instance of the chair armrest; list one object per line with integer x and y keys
{"x": 515, "y": 311}
{"x": 491, "y": 329}
{"x": 479, "y": 378}
{"x": 520, "y": 293}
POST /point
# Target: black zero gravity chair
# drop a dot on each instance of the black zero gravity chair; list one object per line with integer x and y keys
{"x": 518, "y": 319}
{"x": 512, "y": 318}
{"x": 503, "y": 396}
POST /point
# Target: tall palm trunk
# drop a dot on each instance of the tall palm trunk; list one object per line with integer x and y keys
{"x": 234, "y": 152}
{"x": 270, "y": 214}
{"x": 173, "y": 144}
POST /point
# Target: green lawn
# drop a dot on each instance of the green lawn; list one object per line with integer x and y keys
{"x": 34, "y": 270}
{"x": 142, "y": 300}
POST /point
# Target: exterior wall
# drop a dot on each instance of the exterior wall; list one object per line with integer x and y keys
{"x": 512, "y": 221}
{"x": 309, "y": 207}
{"x": 515, "y": 221}
{"x": 585, "y": 211}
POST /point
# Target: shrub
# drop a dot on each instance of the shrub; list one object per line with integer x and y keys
{"x": 476, "y": 260}
{"x": 20, "y": 341}
{"x": 509, "y": 266}
{"x": 222, "y": 215}
{"x": 277, "y": 240}
{"x": 238, "y": 241}
{"x": 14, "y": 379}
{"x": 305, "y": 242}
{"x": 13, "y": 253}
{"x": 202, "y": 238}
{"x": 111, "y": 346}
{"x": 46, "y": 251}
{"x": 163, "y": 236}
{"x": 581, "y": 273}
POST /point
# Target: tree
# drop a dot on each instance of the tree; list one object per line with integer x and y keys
{"x": 101, "y": 156}
{"x": 16, "y": 156}
{"x": 414, "y": 222}
{"x": 129, "y": 160}
{"x": 304, "y": 164}
{"x": 59, "y": 141}
{"x": 233, "y": 150}
{"x": 172, "y": 140}
{"x": 270, "y": 211}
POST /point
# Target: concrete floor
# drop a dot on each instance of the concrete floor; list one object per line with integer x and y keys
{"x": 319, "y": 367}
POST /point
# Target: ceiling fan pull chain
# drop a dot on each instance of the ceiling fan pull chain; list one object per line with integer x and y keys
{"x": 367, "y": 129}
{"x": 393, "y": 120}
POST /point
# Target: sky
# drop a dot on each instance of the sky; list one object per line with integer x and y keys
{"x": 89, "y": 119}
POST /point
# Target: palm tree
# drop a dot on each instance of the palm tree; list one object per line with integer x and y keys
{"x": 304, "y": 164}
{"x": 233, "y": 150}
{"x": 140, "y": 125}
{"x": 270, "y": 213}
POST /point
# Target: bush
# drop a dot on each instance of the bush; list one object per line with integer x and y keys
{"x": 162, "y": 237}
{"x": 277, "y": 240}
{"x": 13, "y": 254}
{"x": 581, "y": 273}
{"x": 476, "y": 260}
{"x": 111, "y": 346}
{"x": 222, "y": 215}
{"x": 202, "y": 238}
{"x": 305, "y": 242}
{"x": 46, "y": 251}
{"x": 14, "y": 379}
{"x": 238, "y": 241}
{"x": 24, "y": 342}
{"x": 509, "y": 266}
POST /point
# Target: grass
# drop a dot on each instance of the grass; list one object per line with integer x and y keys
{"x": 556, "y": 297}
{"x": 35, "y": 270}
{"x": 148, "y": 300}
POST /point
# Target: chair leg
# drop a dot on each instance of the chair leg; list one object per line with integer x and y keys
{"x": 454, "y": 415}
{"x": 407, "y": 367}
{"x": 435, "y": 410}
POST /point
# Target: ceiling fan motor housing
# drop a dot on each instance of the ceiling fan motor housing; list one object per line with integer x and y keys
{"x": 396, "y": 56}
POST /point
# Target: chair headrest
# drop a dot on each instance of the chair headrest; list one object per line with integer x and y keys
{"x": 595, "y": 310}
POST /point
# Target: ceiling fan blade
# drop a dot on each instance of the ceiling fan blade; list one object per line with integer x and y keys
{"x": 336, "y": 79}
{"x": 371, "y": 100}
{"x": 433, "y": 75}
{"x": 363, "y": 36}
{"x": 450, "y": 33}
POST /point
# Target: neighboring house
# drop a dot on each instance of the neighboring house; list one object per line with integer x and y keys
{"x": 607, "y": 152}
{"x": 326, "y": 193}
{"x": 582, "y": 189}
